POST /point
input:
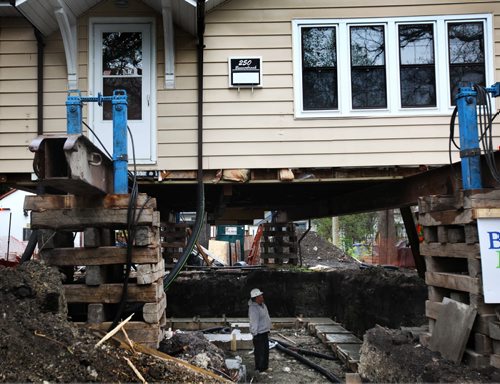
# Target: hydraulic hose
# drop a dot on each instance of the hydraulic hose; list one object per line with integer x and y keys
{"x": 329, "y": 375}
{"x": 305, "y": 351}
{"x": 30, "y": 248}
{"x": 300, "y": 240}
{"x": 200, "y": 206}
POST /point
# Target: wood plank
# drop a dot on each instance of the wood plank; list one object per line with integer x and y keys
{"x": 433, "y": 203}
{"x": 112, "y": 293}
{"x": 80, "y": 218}
{"x": 486, "y": 198}
{"x": 45, "y": 202}
{"x": 484, "y": 213}
{"x": 100, "y": 256}
{"x": 453, "y": 281}
{"x": 451, "y": 217}
{"x": 450, "y": 250}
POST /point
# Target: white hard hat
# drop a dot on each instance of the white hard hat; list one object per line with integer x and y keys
{"x": 255, "y": 292}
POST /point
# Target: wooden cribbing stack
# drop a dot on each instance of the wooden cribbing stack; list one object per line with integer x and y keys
{"x": 94, "y": 292}
{"x": 174, "y": 239}
{"x": 279, "y": 243}
{"x": 453, "y": 262}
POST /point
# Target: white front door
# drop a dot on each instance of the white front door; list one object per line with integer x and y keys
{"x": 122, "y": 59}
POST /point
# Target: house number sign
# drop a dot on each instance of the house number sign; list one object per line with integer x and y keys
{"x": 245, "y": 72}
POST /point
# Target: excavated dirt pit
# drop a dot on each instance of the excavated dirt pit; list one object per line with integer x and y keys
{"x": 37, "y": 343}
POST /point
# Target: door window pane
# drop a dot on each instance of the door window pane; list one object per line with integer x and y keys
{"x": 417, "y": 68}
{"x": 319, "y": 68}
{"x": 368, "y": 74}
{"x": 121, "y": 53}
{"x": 122, "y": 69}
{"x": 466, "y": 55}
{"x": 133, "y": 87}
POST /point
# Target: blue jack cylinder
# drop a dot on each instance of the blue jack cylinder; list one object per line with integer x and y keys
{"x": 74, "y": 113}
{"x": 120, "y": 156}
{"x": 469, "y": 142}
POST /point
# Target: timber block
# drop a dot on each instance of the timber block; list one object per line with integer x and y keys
{"x": 146, "y": 236}
{"x": 476, "y": 360}
{"x": 482, "y": 344}
{"x": 495, "y": 360}
{"x": 442, "y": 234}
{"x": 430, "y": 234}
{"x": 494, "y": 329}
{"x": 95, "y": 275}
{"x": 153, "y": 312}
{"x": 456, "y": 234}
{"x": 95, "y": 313}
{"x": 149, "y": 273}
{"x": 496, "y": 346}
{"x": 471, "y": 233}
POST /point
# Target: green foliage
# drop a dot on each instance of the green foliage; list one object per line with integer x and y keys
{"x": 358, "y": 228}
{"x": 324, "y": 227}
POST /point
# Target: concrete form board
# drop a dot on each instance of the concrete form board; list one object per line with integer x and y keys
{"x": 330, "y": 329}
{"x": 450, "y": 341}
{"x": 341, "y": 338}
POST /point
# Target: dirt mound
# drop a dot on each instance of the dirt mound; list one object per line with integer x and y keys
{"x": 195, "y": 348}
{"x": 315, "y": 250}
{"x": 37, "y": 343}
{"x": 394, "y": 356}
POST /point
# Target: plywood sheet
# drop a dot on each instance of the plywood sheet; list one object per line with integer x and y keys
{"x": 219, "y": 250}
{"x": 452, "y": 329}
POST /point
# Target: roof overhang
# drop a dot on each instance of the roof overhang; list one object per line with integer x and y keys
{"x": 41, "y": 13}
{"x": 48, "y": 16}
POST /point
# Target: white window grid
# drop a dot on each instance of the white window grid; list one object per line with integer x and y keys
{"x": 440, "y": 23}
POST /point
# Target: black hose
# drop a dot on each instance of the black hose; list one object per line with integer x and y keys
{"x": 329, "y": 375}
{"x": 30, "y": 247}
{"x": 305, "y": 351}
{"x": 222, "y": 329}
{"x": 200, "y": 206}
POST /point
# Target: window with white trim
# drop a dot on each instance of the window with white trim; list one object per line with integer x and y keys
{"x": 391, "y": 66}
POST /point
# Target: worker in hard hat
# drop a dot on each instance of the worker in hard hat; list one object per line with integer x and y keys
{"x": 260, "y": 325}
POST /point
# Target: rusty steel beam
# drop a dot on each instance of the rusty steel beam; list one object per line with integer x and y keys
{"x": 72, "y": 164}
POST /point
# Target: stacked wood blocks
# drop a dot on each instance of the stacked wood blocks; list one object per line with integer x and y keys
{"x": 173, "y": 240}
{"x": 279, "y": 243}
{"x": 95, "y": 272}
{"x": 453, "y": 261}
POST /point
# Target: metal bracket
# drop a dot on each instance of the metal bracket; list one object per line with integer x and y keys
{"x": 470, "y": 152}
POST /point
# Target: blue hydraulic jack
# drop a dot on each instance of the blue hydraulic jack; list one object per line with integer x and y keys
{"x": 73, "y": 164}
{"x": 74, "y": 127}
{"x": 470, "y": 151}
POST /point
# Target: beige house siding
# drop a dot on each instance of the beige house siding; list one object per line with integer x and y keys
{"x": 242, "y": 129}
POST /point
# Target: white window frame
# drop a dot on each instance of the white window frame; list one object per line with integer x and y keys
{"x": 443, "y": 105}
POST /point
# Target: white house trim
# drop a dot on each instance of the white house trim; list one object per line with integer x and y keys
{"x": 67, "y": 24}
